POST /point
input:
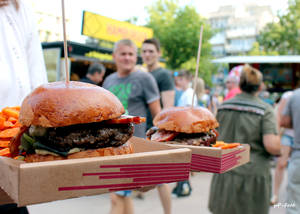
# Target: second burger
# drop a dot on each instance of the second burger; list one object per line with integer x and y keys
{"x": 185, "y": 125}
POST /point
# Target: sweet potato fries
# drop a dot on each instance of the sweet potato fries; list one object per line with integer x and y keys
{"x": 9, "y": 127}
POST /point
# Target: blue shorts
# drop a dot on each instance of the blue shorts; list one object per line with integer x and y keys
{"x": 287, "y": 140}
{"x": 124, "y": 193}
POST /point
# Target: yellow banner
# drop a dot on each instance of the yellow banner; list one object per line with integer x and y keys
{"x": 104, "y": 28}
{"x": 99, "y": 55}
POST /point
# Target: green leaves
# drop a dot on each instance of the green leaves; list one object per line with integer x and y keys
{"x": 178, "y": 30}
{"x": 29, "y": 144}
{"x": 284, "y": 36}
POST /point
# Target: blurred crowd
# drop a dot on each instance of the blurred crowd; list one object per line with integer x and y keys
{"x": 246, "y": 114}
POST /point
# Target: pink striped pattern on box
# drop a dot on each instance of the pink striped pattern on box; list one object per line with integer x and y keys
{"x": 205, "y": 163}
{"x": 140, "y": 175}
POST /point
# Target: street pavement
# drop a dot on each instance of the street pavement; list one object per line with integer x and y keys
{"x": 196, "y": 203}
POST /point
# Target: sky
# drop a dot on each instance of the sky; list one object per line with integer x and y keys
{"x": 123, "y": 10}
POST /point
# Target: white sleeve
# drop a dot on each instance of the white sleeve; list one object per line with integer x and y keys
{"x": 35, "y": 58}
{"x": 186, "y": 98}
{"x": 182, "y": 100}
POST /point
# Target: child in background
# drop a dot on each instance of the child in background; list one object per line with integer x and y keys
{"x": 200, "y": 91}
{"x": 184, "y": 82}
{"x": 178, "y": 90}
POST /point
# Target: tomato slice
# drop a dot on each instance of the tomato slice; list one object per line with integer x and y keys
{"x": 123, "y": 119}
{"x": 216, "y": 132}
{"x": 162, "y": 136}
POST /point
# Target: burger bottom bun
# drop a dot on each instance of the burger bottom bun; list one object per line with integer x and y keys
{"x": 126, "y": 148}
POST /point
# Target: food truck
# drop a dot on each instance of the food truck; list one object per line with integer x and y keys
{"x": 80, "y": 56}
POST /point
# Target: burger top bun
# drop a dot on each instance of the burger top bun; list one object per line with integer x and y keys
{"x": 60, "y": 104}
{"x": 186, "y": 119}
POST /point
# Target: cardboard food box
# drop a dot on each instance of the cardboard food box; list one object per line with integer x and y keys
{"x": 217, "y": 160}
{"x": 151, "y": 164}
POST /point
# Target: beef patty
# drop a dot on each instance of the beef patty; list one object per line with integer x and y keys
{"x": 88, "y": 136}
{"x": 196, "y": 139}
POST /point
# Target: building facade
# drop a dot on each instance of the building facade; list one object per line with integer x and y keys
{"x": 237, "y": 28}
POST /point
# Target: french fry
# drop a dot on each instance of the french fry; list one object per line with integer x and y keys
{"x": 230, "y": 145}
{"x": 17, "y": 124}
{"x": 5, "y": 152}
{"x": 219, "y": 144}
{"x": 12, "y": 119}
{"x": 9, "y": 127}
{"x": 10, "y": 112}
{"x": 4, "y": 143}
{"x": 2, "y": 121}
{"x": 9, "y": 132}
{"x": 8, "y": 124}
{"x": 223, "y": 145}
{"x": 16, "y": 108}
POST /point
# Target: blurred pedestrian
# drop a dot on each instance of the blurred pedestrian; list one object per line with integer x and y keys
{"x": 137, "y": 90}
{"x": 95, "y": 74}
{"x": 265, "y": 96}
{"x": 200, "y": 91}
{"x": 287, "y": 140}
{"x": 184, "y": 82}
{"x": 178, "y": 90}
{"x": 205, "y": 99}
{"x": 291, "y": 119}
{"x": 232, "y": 85}
{"x": 248, "y": 120}
{"x": 214, "y": 103}
{"x": 151, "y": 54}
{"x": 21, "y": 62}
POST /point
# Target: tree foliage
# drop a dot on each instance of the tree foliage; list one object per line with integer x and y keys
{"x": 256, "y": 50}
{"x": 178, "y": 30}
{"x": 283, "y": 36}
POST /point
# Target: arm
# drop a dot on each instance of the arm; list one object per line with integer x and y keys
{"x": 154, "y": 107}
{"x": 285, "y": 116}
{"x": 272, "y": 143}
{"x": 281, "y": 105}
{"x": 166, "y": 87}
{"x": 271, "y": 139}
{"x": 286, "y": 121}
{"x": 151, "y": 93}
{"x": 168, "y": 98}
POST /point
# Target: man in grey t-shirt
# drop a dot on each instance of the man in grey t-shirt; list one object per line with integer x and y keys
{"x": 291, "y": 119}
{"x": 137, "y": 91}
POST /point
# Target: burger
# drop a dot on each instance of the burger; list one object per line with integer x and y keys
{"x": 184, "y": 125}
{"x": 72, "y": 120}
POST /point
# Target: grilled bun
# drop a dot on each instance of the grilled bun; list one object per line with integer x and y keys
{"x": 60, "y": 104}
{"x": 186, "y": 119}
